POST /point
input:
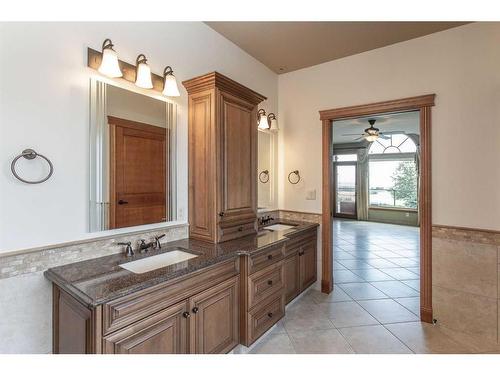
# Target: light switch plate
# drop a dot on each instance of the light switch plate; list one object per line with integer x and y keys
{"x": 311, "y": 195}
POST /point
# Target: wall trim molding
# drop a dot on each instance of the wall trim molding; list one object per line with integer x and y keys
{"x": 476, "y": 235}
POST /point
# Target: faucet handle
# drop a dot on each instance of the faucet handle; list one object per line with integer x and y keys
{"x": 128, "y": 249}
{"x": 157, "y": 240}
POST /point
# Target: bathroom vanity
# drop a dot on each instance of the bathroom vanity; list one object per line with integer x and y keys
{"x": 222, "y": 295}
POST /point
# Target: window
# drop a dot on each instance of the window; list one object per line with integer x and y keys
{"x": 345, "y": 157}
{"x": 393, "y": 183}
{"x": 393, "y": 144}
{"x": 393, "y": 175}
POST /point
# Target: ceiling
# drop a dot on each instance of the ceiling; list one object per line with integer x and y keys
{"x": 407, "y": 122}
{"x": 288, "y": 46}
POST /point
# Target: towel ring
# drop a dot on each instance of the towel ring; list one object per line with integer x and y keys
{"x": 263, "y": 179}
{"x": 30, "y": 154}
{"x": 296, "y": 172}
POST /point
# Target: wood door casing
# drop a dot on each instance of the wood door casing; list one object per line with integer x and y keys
{"x": 238, "y": 155}
{"x": 166, "y": 332}
{"x": 215, "y": 318}
{"x": 138, "y": 173}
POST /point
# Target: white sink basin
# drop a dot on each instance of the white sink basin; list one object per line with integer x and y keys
{"x": 279, "y": 227}
{"x": 157, "y": 261}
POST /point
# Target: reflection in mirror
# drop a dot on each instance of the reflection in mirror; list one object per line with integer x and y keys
{"x": 266, "y": 170}
{"x": 132, "y": 158}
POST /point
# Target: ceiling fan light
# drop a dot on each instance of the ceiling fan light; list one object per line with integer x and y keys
{"x": 371, "y": 137}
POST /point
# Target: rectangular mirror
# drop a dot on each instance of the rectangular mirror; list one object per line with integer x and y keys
{"x": 132, "y": 158}
{"x": 266, "y": 170}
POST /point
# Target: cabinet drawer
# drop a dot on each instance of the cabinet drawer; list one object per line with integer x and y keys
{"x": 231, "y": 231}
{"x": 295, "y": 243}
{"x": 265, "y": 283}
{"x": 265, "y": 315}
{"x": 265, "y": 258}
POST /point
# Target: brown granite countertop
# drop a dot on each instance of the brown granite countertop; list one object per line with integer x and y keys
{"x": 99, "y": 280}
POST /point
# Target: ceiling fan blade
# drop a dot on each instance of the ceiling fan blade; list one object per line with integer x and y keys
{"x": 383, "y": 136}
{"x": 345, "y": 135}
{"x": 393, "y": 132}
{"x": 359, "y": 138}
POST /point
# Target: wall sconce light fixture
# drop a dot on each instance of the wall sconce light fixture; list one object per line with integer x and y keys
{"x": 274, "y": 122}
{"x": 143, "y": 72}
{"x": 109, "y": 63}
{"x": 170, "y": 83}
{"x": 262, "y": 119}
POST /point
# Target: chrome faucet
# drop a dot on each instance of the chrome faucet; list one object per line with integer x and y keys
{"x": 144, "y": 247}
{"x": 157, "y": 244}
{"x": 128, "y": 250}
{"x": 265, "y": 220}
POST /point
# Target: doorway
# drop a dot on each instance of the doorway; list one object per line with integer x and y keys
{"x": 423, "y": 105}
{"x": 345, "y": 189}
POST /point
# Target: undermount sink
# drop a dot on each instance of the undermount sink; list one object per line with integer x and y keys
{"x": 279, "y": 227}
{"x": 263, "y": 232}
{"x": 157, "y": 261}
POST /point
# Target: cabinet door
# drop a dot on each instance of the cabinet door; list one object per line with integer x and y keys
{"x": 292, "y": 276}
{"x": 307, "y": 264}
{"x": 238, "y": 148}
{"x": 215, "y": 318}
{"x": 166, "y": 332}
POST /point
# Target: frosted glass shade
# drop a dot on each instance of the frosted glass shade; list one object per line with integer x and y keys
{"x": 143, "y": 78}
{"x": 274, "y": 124}
{"x": 170, "y": 86}
{"x": 109, "y": 64}
{"x": 371, "y": 137}
{"x": 263, "y": 124}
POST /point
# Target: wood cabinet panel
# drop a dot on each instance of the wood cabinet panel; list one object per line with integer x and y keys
{"x": 291, "y": 267}
{"x": 202, "y": 159}
{"x": 308, "y": 265}
{"x": 166, "y": 332}
{"x": 215, "y": 318}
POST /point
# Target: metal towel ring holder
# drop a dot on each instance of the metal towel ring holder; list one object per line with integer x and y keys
{"x": 296, "y": 172}
{"x": 263, "y": 179}
{"x": 30, "y": 154}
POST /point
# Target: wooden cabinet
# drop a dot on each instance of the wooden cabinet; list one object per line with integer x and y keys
{"x": 222, "y": 158}
{"x": 215, "y": 319}
{"x": 166, "y": 332}
{"x": 199, "y": 314}
{"x": 300, "y": 265}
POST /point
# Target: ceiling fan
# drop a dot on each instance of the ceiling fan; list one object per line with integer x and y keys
{"x": 372, "y": 133}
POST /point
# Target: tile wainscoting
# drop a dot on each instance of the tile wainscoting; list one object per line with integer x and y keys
{"x": 26, "y": 296}
{"x": 466, "y": 284}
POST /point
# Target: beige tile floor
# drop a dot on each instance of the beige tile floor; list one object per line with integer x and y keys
{"x": 374, "y": 306}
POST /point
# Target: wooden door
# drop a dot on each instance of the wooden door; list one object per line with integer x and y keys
{"x": 215, "y": 318}
{"x": 292, "y": 276}
{"x": 166, "y": 332}
{"x": 238, "y": 156}
{"x": 138, "y": 174}
{"x": 307, "y": 264}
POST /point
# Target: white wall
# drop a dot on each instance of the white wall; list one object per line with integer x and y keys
{"x": 461, "y": 66}
{"x": 44, "y": 105}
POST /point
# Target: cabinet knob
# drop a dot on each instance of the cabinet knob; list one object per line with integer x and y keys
{"x": 121, "y": 201}
{"x": 221, "y": 214}
{"x": 240, "y": 229}
{"x": 195, "y": 310}
{"x": 269, "y": 282}
{"x": 270, "y": 314}
{"x": 186, "y": 314}
{"x": 270, "y": 256}
{"x": 301, "y": 253}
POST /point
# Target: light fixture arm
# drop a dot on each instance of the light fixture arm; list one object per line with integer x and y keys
{"x": 168, "y": 71}
{"x": 107, "y": 44}
{"x": 271, "y": 116}
{"x": 261, "y": 112}
{"x": 141, "y": 59}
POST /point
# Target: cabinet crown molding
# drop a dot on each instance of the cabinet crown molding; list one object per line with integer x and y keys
{"x": 220, "y": 81}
